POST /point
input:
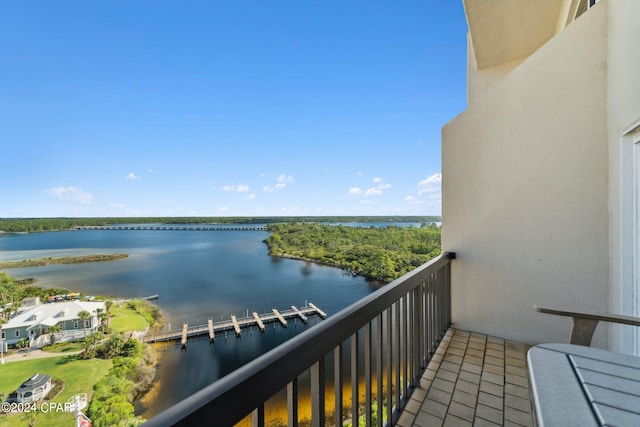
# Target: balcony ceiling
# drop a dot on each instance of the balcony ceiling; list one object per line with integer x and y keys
{"x": 505, "y": 30}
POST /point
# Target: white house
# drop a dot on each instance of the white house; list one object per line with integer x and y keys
{"x": 36, "y": 322}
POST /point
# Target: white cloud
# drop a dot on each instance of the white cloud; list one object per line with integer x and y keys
{"x": 240, "y": 188}
{"x": 224, "y": 209}
{"x": 412, "y": 200}
{"x": 73, "y": 194}
{"x": 281, "y": 182}
{"x": 251, "y": 196}
{"x": 373, "y": 192}
{"x": 377, "y": 190}
{"x": 430, "y": 184}
{"x": 132, "y": 177}
{"x": 284, "y": 180}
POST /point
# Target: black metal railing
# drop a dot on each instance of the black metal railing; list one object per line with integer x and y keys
{"x": 398, "y": 327}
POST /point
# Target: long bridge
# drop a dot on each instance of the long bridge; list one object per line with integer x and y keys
{"x": 175, "y": 227}
{"x": 235, "y": 325}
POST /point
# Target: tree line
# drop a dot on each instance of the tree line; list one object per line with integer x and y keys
{"x": 30, "y": 225}
{"x": 383, "y": 253}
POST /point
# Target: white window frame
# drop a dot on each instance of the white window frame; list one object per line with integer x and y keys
{"x": 630, "y": 235}
{"x": 17, "y": 333}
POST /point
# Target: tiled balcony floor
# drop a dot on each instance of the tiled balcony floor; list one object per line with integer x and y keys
{"x": 472, "y": 380}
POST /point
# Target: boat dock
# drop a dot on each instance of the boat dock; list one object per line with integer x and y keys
{"x": 235, "y": 324}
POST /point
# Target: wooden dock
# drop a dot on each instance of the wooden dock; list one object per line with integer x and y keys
{"x": 258, "y": 321}
{"x": 185, "y": 330}
{"x": 235, "y": 324}
{"x": 212, "y": 334}
{"x": 282, "y": 320}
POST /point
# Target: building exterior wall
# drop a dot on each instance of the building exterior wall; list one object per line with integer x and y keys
{"x": 525, "y": 191}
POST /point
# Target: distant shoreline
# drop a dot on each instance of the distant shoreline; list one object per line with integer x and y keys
{"x": 64, "y": 260}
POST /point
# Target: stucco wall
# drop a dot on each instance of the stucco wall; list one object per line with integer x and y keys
{"x": 525, "y": 196}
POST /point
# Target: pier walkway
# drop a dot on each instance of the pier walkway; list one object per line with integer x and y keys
{"x": 234, "y": 325}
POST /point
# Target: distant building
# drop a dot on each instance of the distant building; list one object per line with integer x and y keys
{"x": 36, "y": 322}
{"x": 28, "y": 303}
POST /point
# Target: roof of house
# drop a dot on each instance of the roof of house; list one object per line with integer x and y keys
{"x": 36, "y": 381}
{"x": 51, "y": 314}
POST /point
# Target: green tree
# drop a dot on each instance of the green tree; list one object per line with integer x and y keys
{"x": 53, "y": 330}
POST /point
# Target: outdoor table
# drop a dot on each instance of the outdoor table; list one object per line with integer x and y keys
{"x": 574, "y": 385}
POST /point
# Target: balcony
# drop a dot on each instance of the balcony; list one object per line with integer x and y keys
{"x": 412, "y": 369}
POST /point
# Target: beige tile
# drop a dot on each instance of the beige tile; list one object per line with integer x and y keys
{"x": 453, "y": 358}
{"x": 494, "y": 353}
{"x": 494, "y": 369}
{"x": 467, "y": 387}
{"x": 473, "y": 359}
{"x": 469, "y": 376}
{"x": 434, "y": 408}
{"x": 406, "y": 419}
{"x": 448, "y": 366}
{"x": 462, "y": 411}
{"x": 491, "y": 388}
{"x": 471, "y": 367}
{"x": 443, "y": 385}
{"x": 478, "y": 338}
{"x": 517, "y": 380}
{"x": 488, "y": 413}
{"x": 495, "y": 340}
{"x": 493, "y": 360}
{"x": 476, "y": 345}
{"x": 475, "y": 352}
{"x": 424, "y": 419}
{"x": 439, "y": 396}
{"x": 519, "y": 417}
{"x": 456, "y": 351}
{"x": 453, "y": 421}
{"x": 493, "y": 378}
{"x": 495, "y": 347}
{"x": 490, "y": 400}
{"x": 516, "y": 390}
{"x": 481, "y": 422}
{"x": 517, "y": 403}
{"x": 464, "y": 398}
{"x": 510, "y": 369}
{"x": 447, "y": 375}
{"x": 413, "y": 406}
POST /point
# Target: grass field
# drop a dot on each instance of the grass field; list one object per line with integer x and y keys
{"x": 79, "y": 376}
{"x": 124, "y": 319}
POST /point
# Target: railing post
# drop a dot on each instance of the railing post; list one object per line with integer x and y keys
{"x": 355, "y": 378}
{"x": 257, "y": 417}
{"x": 292, "y": 403}
{"x": 317, "y": 394}
{"x": 338, "y": 374}
{"x": 367, "y": 374}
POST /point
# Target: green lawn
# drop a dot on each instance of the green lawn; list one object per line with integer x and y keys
{"x": 124, "y": 319}
{"x": 79, "y": 376}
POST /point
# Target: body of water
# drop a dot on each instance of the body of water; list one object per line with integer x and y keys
{"x": 198, "y": 275}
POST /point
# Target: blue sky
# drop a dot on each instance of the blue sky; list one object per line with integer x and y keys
{"x": 216, "y": 108}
